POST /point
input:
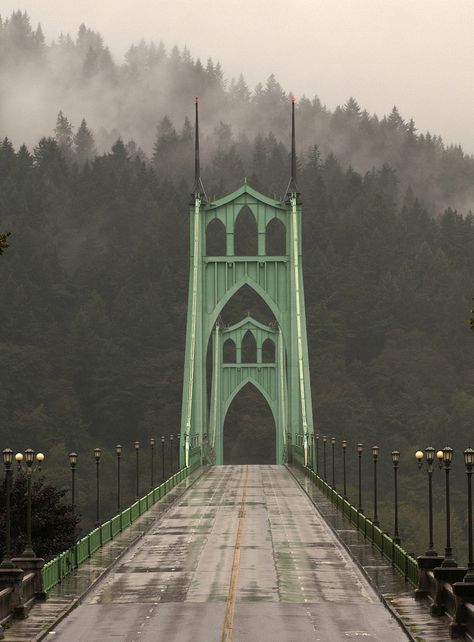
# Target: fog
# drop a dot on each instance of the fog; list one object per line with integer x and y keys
{"x": 417, "y": 55}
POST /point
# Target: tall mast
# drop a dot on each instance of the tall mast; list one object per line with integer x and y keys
{"x": 292, "y": 187}
{"x": 198, "y": 186}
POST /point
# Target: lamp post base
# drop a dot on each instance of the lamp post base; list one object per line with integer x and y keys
{"x": 464, "y": 592}
{"x": 33, "y": 564}
{"x": 426, "y": 563}
{"x": 445, "y": 575}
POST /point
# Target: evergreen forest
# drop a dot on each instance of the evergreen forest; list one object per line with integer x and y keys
{"x": 94, "y": 273}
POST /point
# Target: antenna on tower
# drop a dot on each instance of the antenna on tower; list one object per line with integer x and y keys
{"x": 292, "y": 187}
{"x": 198, "y": 186}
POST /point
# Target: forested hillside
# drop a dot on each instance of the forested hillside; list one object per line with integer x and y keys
{"x": 94, "y": 283}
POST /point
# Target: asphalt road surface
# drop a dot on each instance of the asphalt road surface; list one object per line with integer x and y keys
{"x": 242, "y": 556}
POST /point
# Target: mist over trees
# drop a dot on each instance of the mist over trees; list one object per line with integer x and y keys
{"x": 79, "y": 76}
{"x": 94, "y": 283}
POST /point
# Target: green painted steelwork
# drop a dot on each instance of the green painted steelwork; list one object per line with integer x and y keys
{"x": 214, "y": 280}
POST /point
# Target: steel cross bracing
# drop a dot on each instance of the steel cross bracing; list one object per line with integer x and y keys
{"x": 214, "y": 280}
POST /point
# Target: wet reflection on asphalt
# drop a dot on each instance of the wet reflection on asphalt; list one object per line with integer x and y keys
{"x": 295, "y": 580}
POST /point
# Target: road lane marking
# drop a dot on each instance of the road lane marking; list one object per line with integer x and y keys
{"x": 234, "y": 577}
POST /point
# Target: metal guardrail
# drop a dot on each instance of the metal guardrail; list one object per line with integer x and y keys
{"x": 405, "y": 563}
{"x": 58, "y": 568}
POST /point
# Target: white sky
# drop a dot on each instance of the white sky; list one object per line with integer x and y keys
{"x": 417, "y": 54}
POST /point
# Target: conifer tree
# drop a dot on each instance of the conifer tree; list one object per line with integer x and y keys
{"x": 84, "y": 145}
{"x": 63, "y": 135}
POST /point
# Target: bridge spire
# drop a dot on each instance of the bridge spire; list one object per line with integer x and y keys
{"x": 198, "y": 186}
{"x": 292, "y": 187}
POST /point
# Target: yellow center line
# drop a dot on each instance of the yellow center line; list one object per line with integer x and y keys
{"x": 234, "y": 578}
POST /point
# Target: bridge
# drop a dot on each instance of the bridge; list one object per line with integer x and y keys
{"x": 223, "y": 552}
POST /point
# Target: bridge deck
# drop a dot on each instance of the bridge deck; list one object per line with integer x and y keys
{"x": 242, "y": 556}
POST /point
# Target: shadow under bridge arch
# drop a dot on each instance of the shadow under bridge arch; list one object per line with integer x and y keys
{"x": 249, "y": 431}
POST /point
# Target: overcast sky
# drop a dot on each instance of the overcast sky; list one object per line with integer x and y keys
{"x": 417, "y": 54}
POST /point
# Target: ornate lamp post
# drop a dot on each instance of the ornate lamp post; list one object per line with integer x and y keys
{"x": 469, "y": 463}
{"x": 429, "y": 455}
{"x": 152, "y": 448}
{"x": 360, "y": 448}
{"x": 97, "y": 455}
{"x": 7, "y": 462}
{"x": 449, "y": 560}
{"x": 29, "y": 461}
{"x": 311, "y": 462}
{"x": 178, "y": 444}
{"x": 171, "y": 455}
{"x": 118, "y": 451}
{"x": 72, "y": 463}
{"x": 317, "y": 453}
{"x": 137, "y": 468}
{"x": 324, "y": 457}
{"x": 396, "y": 463}
{"x": 333, "y": 444}
{"x": 162, "y": 458}
{"x": 344, "y": 448}
{"x": 375, "y": 455}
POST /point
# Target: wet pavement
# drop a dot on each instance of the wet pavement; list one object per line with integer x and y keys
{"x": 390, "y": 585}
{"x": 242, "y": 555}
{"x": 63, "y": 596}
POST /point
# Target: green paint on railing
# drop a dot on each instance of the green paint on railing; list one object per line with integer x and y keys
{"x": 57, "y": 569}
{"x": 399, "y": 558}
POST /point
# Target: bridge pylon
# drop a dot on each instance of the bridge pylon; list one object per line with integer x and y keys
{"x": 213, "y": 282}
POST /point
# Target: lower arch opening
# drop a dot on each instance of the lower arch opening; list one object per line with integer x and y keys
{"x": 249, "y": 429}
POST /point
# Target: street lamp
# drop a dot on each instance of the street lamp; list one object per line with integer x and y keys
{"x": 333, "y": 443}
{"x": 317, "y": 453}
{"x": 178, "y": 444}
{"x": 29, "y": 461}
{"x": 311, "y": 462}
{"x": 171, "y": 455}
{"x": 152, "y": 447}
{"x": 162, "y": 458}
{"x": 72, "y": 463}
{"x": 118, "y": 451}
{"x": 360, "y": 448}
{"x": 7, "y": 461}
{"x": 137, "y": 459}
{"x": 375, "y": 455}
{"x": 324, "y": 458}
{"x": 97, "y": 455}
{"x": 469, "y": 463}
{"x": 449, "y": 560}
{"x": 344, "y": 448}
{"x": 429, "y": 455}
{"x": 396, "y": 463}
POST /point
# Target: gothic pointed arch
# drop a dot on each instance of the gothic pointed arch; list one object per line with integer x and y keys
{"x": 248, "y": 348}
{"x": 268, "y": 351}
{"x": 229, "y": 352}
{"x": 245, "y": 233}
{"x": 275, "y": 238}
{"x": 215, "y": 238}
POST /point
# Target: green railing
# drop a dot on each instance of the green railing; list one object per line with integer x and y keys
{"x": 62, "y": 565}
{"x": 405, "y": 563}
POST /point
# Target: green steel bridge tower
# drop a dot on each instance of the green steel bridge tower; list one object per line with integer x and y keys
{"x": 214, "y": 280}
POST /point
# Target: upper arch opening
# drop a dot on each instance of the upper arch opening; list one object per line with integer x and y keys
{"x": 275, "y": 238}
{"x": 216, "y": 238}
{"x": 245, "y": 233}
